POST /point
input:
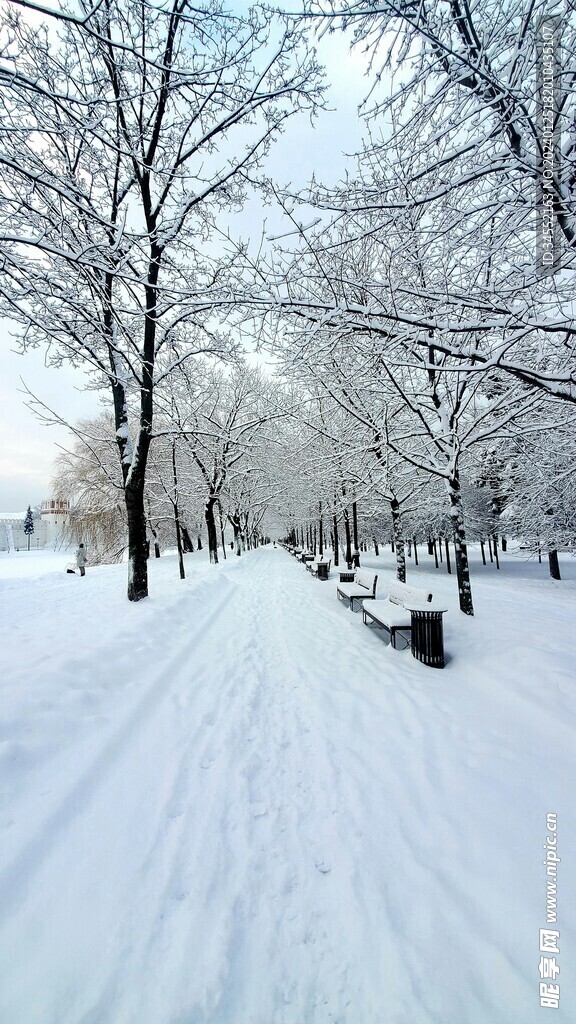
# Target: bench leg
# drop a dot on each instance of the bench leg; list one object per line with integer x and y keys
{"x": 402, "y": 631}
{"x": 374, "y": 624}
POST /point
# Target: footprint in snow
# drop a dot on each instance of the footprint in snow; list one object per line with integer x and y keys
{"x": 323, "y": 866}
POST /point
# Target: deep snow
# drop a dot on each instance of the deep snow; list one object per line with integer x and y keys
{"x": 233, "y": 804}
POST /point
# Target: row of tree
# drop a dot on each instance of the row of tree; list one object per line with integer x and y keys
{"x": 337, "y": 460}
{"x": 426, "y": 353}
{"x": 207, "y": 467}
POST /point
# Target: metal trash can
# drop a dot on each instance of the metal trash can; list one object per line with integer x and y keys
{"x": 427, "y": 639}
{"x": 323, "y": 570}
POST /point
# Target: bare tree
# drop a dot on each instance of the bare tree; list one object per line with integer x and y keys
{"x": 457, "y": 144}
{"x": 217, "y": 418}
{"x": 88, "y": 476}
{"x": 126, "y": 131}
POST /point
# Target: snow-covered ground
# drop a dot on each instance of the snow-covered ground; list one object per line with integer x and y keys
{"x": 233, "y": 804}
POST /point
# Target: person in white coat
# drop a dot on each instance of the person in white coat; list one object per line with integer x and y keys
{"x": 81, "y": 559}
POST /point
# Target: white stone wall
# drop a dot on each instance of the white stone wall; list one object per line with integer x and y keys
{"x": 13, "y": 538}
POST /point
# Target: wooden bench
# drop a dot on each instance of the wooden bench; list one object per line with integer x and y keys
{"x": 391, "y": 614}
{"x": 364, "y": 586}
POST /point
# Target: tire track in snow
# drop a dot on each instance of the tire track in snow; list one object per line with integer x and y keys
{"x": 151, "y": 915}
{"x": 366, "y": 836}
{"x": 223, "y": 862}
{"x": 288, "y": 910}
{"x": 217, "y": 839}
{"x": 17, "y": 874}
{"x": 282, "y": 898}
{"x": 201, "y": 849}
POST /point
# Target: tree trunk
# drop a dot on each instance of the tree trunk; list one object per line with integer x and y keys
{"x": 554, "y": 564}
{"x": 133, "y": 463}
{"x": 448, "y": 562}
{"x": 398, "y": 541}
{"x": 355, "y": 525}
{"x": 179, "y": 543}
{"x": 154, "y": 533}
{"x": 336, "y": 542}
{"x": 222, "y": 538}
{"x": 376, "y": 548}
{"x": 461, "y": 551}
{"x": 177, "y": 515}
{"x": 137, "y": 548}
{"x": 235, "y": 521}
{"x": 483, "y": 552}
{"x": 415, "y": 551}
{"x": 348, "y": 555}
{"x": 186, "y": 540}
{"x": 135, "y": 476}
{"x": 211, "y": 529}
{"x": 495, "y": 541}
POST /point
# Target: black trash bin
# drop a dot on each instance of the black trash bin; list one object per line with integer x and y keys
{"x": 428, "y": 635}
{"x": 323, "y": 568}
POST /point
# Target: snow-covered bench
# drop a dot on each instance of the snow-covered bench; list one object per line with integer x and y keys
{"x": 320, "y": 568}
{"x": 391, "y": 614}
{"x": 364, "y": 586}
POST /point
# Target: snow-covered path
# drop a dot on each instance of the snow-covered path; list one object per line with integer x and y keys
{"x": 234, "y": 805}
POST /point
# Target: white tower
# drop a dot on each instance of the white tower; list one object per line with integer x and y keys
{"x": 54, "y": 512}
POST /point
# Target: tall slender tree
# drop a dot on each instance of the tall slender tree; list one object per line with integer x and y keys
{"x": 29, "y": 524}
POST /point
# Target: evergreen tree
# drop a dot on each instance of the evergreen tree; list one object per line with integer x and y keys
{"x": 29, "y": 525}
